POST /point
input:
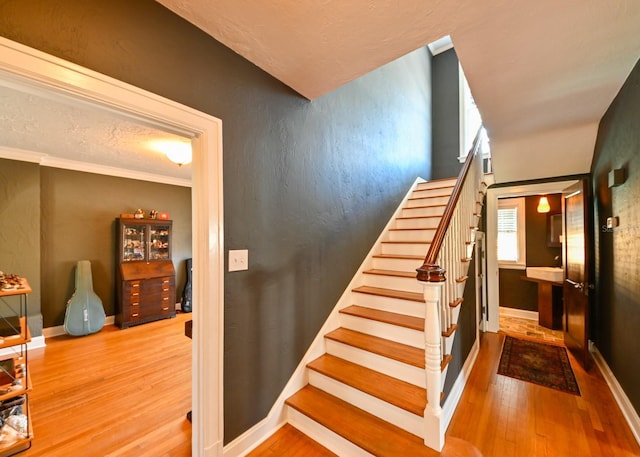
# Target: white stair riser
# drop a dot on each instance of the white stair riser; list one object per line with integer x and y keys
{"x": 434, "y": 184}
{"x": 411, "y": 265}
{"x": 412, "y": 235}
{"x": 420, "y": 212}
{"x": 447, "y": 343}
{"x": 443, "y": 378}
{"x": 418, "y": 223}
{"x": 455, "y": 313}
{"x": 421, "y": 193}
{"x": 393, "y": 282}
{"x": 319, "y": 433}
{"x": 399, "y": 417}
{"x": 428, "y": 201}
{"x": 391, "y": 332}
{"x": 394, "y": 305}
{"x": 407, "y": 373}
{"x": 405, "y": 248}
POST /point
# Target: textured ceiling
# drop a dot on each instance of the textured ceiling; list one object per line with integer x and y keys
{"x": 52, "y": 129}
{"x": 542, "y": 72}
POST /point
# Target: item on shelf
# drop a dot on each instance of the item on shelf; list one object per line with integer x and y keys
{"x": 9, "y": 326}
{"x": 18, "y": 422}
{"x": 139, "y": 214}
{"x": 7, "y": 371}
{"x": 163, "y": 216}
{"x": 11, "y": 407}
{"x": 11, "y": 282}
{"x": 153, "y": 214}
{"x": 84, "y": 313}
{"x": 127, "y": 216}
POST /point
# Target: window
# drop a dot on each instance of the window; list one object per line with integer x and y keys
{"x": 511, "y": 233}
{"x": 470, "y": 120}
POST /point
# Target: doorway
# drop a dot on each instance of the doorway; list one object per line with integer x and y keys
{"x": 494, "y": 194}
{"x": 22, "y": 65}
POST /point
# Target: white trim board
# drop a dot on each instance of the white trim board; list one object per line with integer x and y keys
{"x": 39, "y": 71}
{"x": 45, "y": 160}
{"x": 628, "y": 411}
{"x": 36, "y": 342}
{"x": 453, "y": 399}
{"x": 50, "y": 332}
{"x": 521, "y": 313}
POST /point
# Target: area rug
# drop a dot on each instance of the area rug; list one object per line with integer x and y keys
{"x": 544, "y": 364}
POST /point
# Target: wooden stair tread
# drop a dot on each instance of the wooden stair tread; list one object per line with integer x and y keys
{"x": 372, "y": 434}
{"x": 401, "y": 320}
{"x": 391, "y": 293}
{"x": 407, "y": 242}
{"x": 400, "y": 274}
{"x": 419, "y": 229}
{"x": 423, "y": 197}
{"x": 380, "y": 346}
{"x": 425, "y": 206}
{"x": 418, "y": 217}
{"x": 386, "y": 388}
{"x": 399, "y": 256}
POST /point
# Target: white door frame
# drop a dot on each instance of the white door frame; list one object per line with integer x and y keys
{"x": 24, "y": 65}
{"x": 492, "y": 323}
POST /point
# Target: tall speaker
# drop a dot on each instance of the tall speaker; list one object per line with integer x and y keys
{"x": 185, "y": 303}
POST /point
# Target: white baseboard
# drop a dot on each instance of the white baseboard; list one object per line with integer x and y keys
{"x": 50, "y": 332}
{"x": 453, "y": 399}
{"x": 628, "y": 411}
{"x": 521, "y": 313}
{"x": 35, "y": 343}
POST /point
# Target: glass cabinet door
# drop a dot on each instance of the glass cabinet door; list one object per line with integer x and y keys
{"x": 159, "y": 248}
{"x": 133, "y": 243}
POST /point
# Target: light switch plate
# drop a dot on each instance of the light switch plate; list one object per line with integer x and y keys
{"x": 238, "y": 260}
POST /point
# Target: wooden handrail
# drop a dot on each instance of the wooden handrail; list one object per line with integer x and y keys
{"x": 430, "y": 271}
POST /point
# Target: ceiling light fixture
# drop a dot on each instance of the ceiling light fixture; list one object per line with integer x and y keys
{"x": 543, "y": 205}
{"x": 179, "y": 152}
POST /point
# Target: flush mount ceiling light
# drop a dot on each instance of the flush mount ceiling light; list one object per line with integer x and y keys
{"x": 179, "y": 152}
{"x": 543, "y": 205}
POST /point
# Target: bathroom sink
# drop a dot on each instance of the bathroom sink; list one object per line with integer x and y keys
{"x": 555, "y": 274}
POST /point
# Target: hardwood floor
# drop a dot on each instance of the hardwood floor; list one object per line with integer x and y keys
{"x": 115, "y": 393}
{"x": 123, "y": 393}
{"x": 506, "y": 417}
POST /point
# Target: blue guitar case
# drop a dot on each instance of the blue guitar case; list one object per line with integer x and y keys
{"x": 84, "y": 314}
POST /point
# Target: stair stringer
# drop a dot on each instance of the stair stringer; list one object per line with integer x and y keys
{"x": 277, "y": 415}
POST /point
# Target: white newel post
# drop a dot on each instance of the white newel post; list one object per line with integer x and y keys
{"x": 434, "y": 433}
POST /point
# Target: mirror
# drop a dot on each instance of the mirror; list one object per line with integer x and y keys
{"x": 554, "y": 230}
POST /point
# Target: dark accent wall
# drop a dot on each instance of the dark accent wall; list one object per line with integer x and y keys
{"x": 466, "y": 333}
{"x": 617, "y": 252}
{"x": 514, "y": 292}
{"x": 61, "y": 216}
{"x": 446, "y": 115}
{"x": 308, "y": 185}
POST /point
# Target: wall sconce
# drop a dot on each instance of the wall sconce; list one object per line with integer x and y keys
{"x": 616, "y": 177}
{"x": 543, "y": 205}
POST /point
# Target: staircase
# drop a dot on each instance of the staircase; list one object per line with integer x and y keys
{"x": 367, "y": 394}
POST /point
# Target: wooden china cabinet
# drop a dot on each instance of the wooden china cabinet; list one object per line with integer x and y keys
{"x": 145, "y": 275}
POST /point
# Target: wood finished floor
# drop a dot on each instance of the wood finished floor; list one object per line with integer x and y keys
{"x": 505, "y": 417}
{"x": 125, "y": 393}
{"x": 116, "y": 393}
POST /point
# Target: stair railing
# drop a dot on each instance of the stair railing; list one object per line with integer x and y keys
{"x": 447, "y": 261}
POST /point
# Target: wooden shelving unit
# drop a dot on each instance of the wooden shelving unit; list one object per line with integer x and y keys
{"x": 15, "y": 381}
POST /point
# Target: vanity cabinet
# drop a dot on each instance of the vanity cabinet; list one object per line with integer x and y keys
{"x": 145, "y": 276}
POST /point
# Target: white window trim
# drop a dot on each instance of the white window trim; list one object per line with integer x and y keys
{"x": 521, "y": 263}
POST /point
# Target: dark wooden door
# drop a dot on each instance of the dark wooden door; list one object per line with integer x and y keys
{"x": 576, "y": 261}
